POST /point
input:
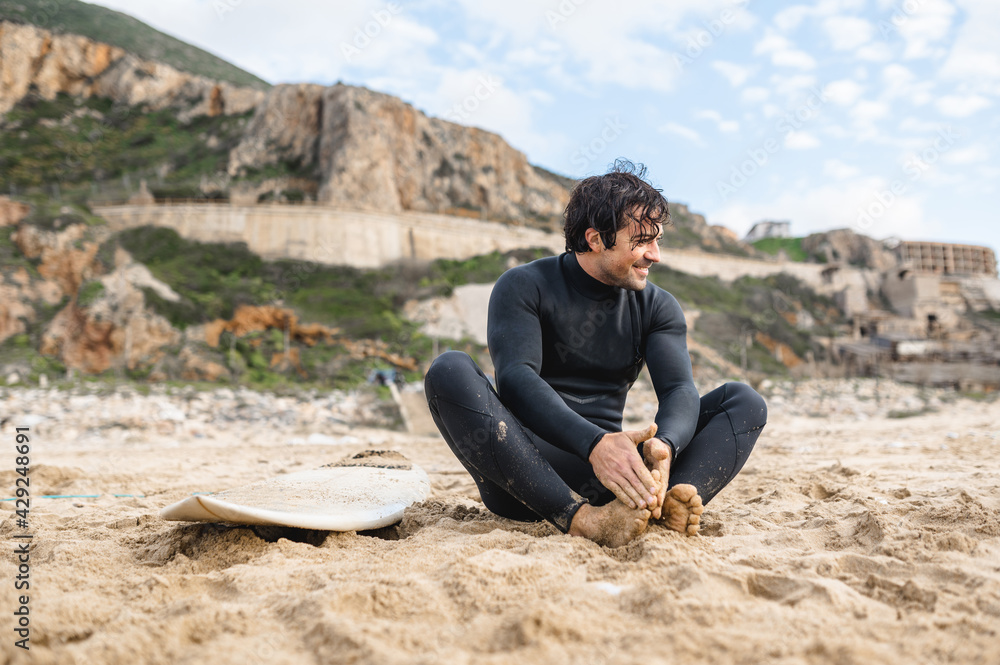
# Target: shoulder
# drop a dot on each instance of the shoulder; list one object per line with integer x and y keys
{"x": 661, "y": 305}
{"x": 536, "y": 273}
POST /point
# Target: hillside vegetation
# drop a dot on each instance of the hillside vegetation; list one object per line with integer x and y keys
{"x": 111, "y": 27}
{"x": 96, "y": 149}
{"x": 356, "y": 316}
{"x": 792, "y": 247}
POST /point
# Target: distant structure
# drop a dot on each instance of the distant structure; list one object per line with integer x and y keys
{"x": 768, "y": 229}
{"x": 946, "y": 259}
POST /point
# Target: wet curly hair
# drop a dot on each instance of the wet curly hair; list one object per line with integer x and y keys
{"x": 602, "y": 202}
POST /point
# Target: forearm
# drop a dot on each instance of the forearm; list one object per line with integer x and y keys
{"x": 677, "y": 416}
{"x": 543, "y": 411}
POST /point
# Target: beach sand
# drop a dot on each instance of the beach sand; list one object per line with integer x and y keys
{"x": 850, "y": 537}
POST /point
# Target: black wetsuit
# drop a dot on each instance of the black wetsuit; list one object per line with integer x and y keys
{"x": 567, "y": 348}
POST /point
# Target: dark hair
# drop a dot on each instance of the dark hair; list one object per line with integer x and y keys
{"x": 603, "y": 202}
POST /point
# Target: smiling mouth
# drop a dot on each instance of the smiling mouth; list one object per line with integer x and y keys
{"x": 642, "y": 271}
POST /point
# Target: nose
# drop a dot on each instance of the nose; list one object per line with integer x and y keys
{"x": 653, "y": 253}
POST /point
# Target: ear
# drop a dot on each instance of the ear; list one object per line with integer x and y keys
{"x": 593, "y": 238}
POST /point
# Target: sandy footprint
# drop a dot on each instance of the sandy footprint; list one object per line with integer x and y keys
{"x": 682, "y": 509}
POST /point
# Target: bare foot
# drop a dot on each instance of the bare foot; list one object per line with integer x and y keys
{"x": 682, "y": 509}
{"x": 612, "y": 525}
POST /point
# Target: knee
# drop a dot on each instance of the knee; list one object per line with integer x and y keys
{"x": 445, "y": 369}
{"x": 748, "y": 403}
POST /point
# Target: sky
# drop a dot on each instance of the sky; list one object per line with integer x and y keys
{"x": 875, "y": 115}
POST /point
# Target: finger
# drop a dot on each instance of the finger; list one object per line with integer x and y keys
{"x": 644, "y": 477}
{"x": 643, "y": 483}
{"x": 621, "y": 494}
{"x": 656, "y": 453}
{"x": 638, "y": 495}
{"x": 658, "y": 508}
{"x": 638, "y": 436}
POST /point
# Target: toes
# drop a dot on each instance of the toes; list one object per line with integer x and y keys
{"x": 692, "y": 530}
{"x": 694, "y": 519}
{"x": 684, "y": 492}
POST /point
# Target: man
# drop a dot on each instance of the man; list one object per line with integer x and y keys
{"x": 568, "y": 336}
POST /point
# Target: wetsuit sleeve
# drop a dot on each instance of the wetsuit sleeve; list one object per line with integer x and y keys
{"x": 514, "y": 333}
{"x": 670, "y": 369}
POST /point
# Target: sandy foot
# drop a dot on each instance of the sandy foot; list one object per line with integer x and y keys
{"x": 612, "y": 525}
{"x": 682, "y": 509}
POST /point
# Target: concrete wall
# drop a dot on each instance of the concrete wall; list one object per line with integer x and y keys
{"x": 327, "y": 235}
{"x": 849, "y": 285}
{"x": 368, "y": 239}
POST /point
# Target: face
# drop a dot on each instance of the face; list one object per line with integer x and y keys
{"x": 626, "y": 266}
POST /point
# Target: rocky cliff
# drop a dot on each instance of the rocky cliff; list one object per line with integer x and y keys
{"x": 346, "y": 146}
{"x": 34, "y": 59}
{"x": 371, "y": 150}
{"x": 846, "y": 246}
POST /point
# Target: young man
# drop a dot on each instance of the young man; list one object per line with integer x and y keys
{"x": 568, "y": 336}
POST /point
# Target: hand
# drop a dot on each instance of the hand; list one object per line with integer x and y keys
{"x": 657, "y": 456}
{"x": 619, "y": 467}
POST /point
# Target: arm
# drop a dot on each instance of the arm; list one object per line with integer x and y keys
{"x": 514, "y": 333}
{"x": 670, "y": 369}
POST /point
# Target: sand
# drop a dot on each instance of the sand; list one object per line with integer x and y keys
{"x": 848, "y": 538}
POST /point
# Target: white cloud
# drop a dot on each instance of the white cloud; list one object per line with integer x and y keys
{"x": 838, "y": 132}
{"x": 974, "y": 56}
{"x": 725, "y": 126}
{"x": 682, "y": 131}
{"x": 838, "y": 205}
{"x": 843, "y": 92}
{"x": 969, "y": 155}
{"x": 911, "y": 124}
{"x": 874, "y": 52}
{"x": 900, "y": 82}
{"x": 793, "y": 58}
{"x": 771, "y": 110}
{"x": 628, "y": 56}
{"x": 838, "y": 170}
{"x": 782, "y": 51}
{"x": 791, "y": 17}
{"x": 866, "y": 112}
{"x": 922, "y": 28}
{"x": 755, "y": 95}
{"x": 737, "y": 75}
{"x": 956, "y": 106}
{"x": 794, "y": 86}
{"x": 801, "y": 140}
{"x": 848, "y": 33}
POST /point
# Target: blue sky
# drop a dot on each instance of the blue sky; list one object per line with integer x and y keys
{"x": 876, "y": 115}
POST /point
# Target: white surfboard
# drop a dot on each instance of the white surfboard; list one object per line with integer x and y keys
{"x": 367, "y": 491}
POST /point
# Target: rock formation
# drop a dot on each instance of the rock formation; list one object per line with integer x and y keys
{"x": 846, "y": 246}
{"x": 32, "y": 58}
{"x": 114, "y": 326}
{"x": 373, "y": 151}
{"x": 12, "y": 212}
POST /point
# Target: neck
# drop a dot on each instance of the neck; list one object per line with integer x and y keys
{"x": 588, "y": 261}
